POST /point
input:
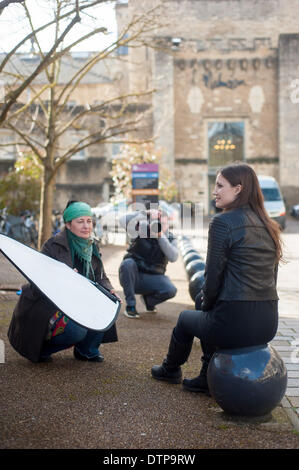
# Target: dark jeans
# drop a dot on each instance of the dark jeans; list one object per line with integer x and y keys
{"x": 231, "y": 324}
{"x": 156, "y": 287}
{"x": 86, "y": 341}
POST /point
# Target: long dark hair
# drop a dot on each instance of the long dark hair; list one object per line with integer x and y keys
{"x": 251, "y": 194}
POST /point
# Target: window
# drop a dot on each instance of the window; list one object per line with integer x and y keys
{"x": 124, "y": 49}
{"x": 226, "y": 143}
{"x": 76, "y": 137}
{"x": 7, "y": 152}
{"x": 271, "y": 194}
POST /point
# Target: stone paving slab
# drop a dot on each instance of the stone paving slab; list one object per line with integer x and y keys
{"x": 286, "y": 344}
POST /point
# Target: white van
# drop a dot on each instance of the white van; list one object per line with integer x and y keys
{"x": 273, "y": 199}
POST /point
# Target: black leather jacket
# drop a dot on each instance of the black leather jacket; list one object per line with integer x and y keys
{"x": 240, "y": 262}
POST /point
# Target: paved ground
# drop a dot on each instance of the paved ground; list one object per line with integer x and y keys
{"x": 117, "y": 405}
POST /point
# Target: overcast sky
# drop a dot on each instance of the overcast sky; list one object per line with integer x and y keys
{"x": 13, "y": 28}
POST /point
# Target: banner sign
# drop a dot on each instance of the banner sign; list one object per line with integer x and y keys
{"x": 145, "y": 183}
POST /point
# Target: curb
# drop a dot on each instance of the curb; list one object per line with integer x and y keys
{"x": 292, "y": 414}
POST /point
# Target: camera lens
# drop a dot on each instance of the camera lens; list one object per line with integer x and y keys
{"x": 155, "y": 227}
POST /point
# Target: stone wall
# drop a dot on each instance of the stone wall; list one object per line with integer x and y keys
{"x": 289, "y": 116}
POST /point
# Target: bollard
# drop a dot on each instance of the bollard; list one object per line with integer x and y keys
{"x": 194, "y": 266}
{"x": 247, "y": 381}
{"x": 196, "y": 283}
{"x": 192, "y": 255}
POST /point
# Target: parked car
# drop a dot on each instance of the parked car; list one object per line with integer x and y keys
{"x": 172, "y": 212}
{"x": 108, "y": 214}
{"x": 295, "y": 210}
{"x": 273, "y": 200}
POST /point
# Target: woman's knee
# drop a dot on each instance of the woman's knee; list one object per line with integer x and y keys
{"x": 76, "y": 332}
{"x": 186, "y": 316}
{"x": 183, "y": 327}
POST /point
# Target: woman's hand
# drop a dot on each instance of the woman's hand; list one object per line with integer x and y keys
{"x": 114, "y": 293}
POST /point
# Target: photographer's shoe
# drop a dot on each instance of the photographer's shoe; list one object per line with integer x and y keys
{"x": 131, "y": 312}
{"x": 148, "y": 308}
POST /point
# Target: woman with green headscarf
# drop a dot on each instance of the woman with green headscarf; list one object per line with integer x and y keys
{"x": 38, "y": 329}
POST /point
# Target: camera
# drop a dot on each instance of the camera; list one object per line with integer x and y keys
{"x": 154, "y": 227}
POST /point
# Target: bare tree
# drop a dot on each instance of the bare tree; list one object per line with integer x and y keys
{"x": 46, "y": 59}
{"x": 42, "y": 124}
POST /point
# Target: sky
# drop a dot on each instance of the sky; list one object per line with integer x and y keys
{"x": 13, "y": 27}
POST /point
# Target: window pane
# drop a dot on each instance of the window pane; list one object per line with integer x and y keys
{"x": 226, "y": 143}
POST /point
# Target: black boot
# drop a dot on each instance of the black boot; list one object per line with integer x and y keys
{"x": 177, "y": 355}
{"x": 199, "y": 383}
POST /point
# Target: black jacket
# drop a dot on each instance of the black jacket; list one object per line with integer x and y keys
{"x": 29, "y": 323}
{"x": 148, "y": 255}
{"x": 240, "y": 262}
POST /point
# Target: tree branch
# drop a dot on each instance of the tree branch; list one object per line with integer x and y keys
{"x": 27, "y": 141}
{"x": 41, "y": 28}
{"x": 14, "y": 95}
{"x": 49, "y": 58}
{"x": 5, "y": 4}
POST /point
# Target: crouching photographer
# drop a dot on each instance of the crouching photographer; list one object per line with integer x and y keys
{"x": 143, "y": 268}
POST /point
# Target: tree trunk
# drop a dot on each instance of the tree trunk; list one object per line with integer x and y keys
{"x": 46, "y": 207}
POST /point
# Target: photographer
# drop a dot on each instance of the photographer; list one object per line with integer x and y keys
{"x": 142, "y": 270}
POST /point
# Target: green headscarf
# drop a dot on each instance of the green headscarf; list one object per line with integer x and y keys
{"x": 76, "y": 209}
{"x": 81, "y": 247}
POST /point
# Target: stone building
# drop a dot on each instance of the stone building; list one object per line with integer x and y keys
{"x": 226, "y": 75}
{"x": 86, "y": 175}
{"x": 227, "y": 80}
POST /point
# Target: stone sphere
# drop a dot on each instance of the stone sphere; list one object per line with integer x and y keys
{"x": 187, "y": 249}
{"x": 194, "y": 266}
{"x": 247, "y": 381}
{"x": 190, "y": 256}
{"x": 196, "y": 283}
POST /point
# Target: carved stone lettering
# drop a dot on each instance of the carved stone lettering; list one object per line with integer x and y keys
{"x": 212, "y": 83}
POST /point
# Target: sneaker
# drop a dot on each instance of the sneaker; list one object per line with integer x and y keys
{"x": 131, "y": 312}
{"x": 80, "y": 357}
{"x": 148, "y": 308}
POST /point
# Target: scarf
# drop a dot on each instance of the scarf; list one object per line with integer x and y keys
{"x": 83, "y": 249}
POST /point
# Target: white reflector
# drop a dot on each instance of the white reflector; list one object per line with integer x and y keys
{"x": 86, "y": 303}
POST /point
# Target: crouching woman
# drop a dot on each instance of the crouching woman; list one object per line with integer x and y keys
{"x": 38, "y": 329}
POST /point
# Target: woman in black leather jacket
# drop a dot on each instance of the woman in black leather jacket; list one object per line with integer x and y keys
{"x": 238, "y": 305}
